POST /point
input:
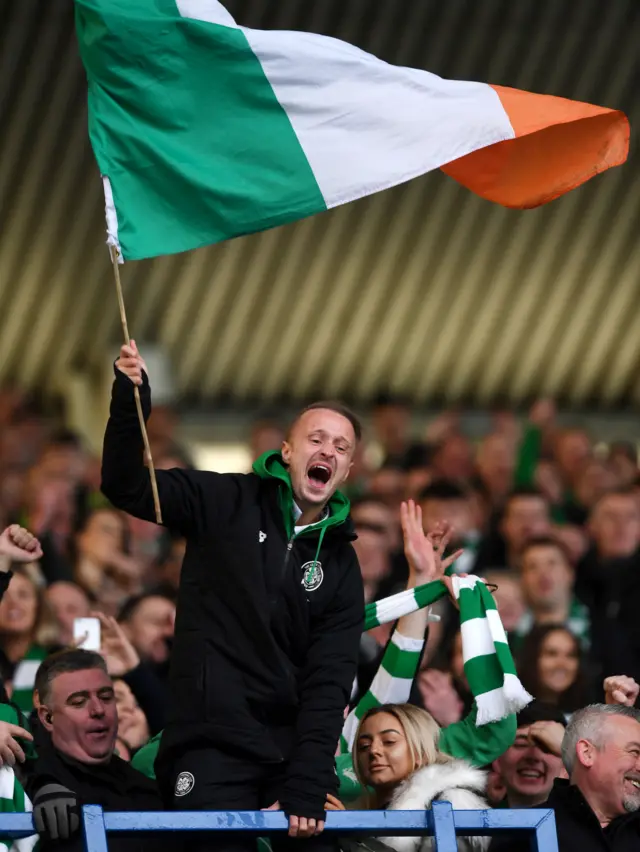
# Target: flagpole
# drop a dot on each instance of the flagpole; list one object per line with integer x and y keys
{"x": 113, "y": 251}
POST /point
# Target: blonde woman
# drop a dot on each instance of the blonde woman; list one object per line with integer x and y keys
{"x": 399, "y": 763}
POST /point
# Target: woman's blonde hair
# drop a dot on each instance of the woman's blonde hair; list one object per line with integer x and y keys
{"x": 421, "y": 732}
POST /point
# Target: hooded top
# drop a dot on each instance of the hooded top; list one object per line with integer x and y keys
{"x": 268, "y": 622}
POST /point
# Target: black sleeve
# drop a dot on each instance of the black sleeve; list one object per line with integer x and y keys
{"x": 125, "y": 478}
{"x": 54, "y": 566}
{"x": 327, "y": 680}
{"x": 151, "y": 694}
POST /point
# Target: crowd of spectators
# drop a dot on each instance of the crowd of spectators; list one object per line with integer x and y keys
{"x": 546, "y": 514}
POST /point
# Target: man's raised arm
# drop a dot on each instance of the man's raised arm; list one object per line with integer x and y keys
{"x": 125, "y": 477}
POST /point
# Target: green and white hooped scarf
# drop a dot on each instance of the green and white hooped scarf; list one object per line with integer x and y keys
{"x": 24, "y": 677}
{"x": 488, "y": 664}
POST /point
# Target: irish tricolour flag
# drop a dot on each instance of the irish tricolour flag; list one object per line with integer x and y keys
{"x": 204, "y": 130}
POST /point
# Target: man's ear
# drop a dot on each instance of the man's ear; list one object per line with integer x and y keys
{"x": 45, "y": 718}
{"x": 586, "y": 753}
{"x": 286, "y": 452}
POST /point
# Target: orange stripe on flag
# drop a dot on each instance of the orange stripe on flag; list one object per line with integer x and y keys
{"x": 559, "y": 145}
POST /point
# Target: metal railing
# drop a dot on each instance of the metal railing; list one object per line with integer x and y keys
{"x": 441, "y": 822}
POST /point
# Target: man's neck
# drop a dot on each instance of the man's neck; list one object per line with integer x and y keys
{"x": 553, "y": 614}
{"x": 308, "y": 514}
{"x": 602, "y": 812}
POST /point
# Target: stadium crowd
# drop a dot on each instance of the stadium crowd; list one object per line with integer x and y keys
{"x": 546, "y": 515}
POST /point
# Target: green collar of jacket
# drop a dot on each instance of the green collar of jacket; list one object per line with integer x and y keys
{"x": 271, "y": 466}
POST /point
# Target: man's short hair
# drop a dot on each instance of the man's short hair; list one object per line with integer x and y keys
{"x": 338, "y": 408}
{"x": 70, "y": 660}
{"x": 586, "y": 724}
{"x": 546, "y": 541}
{"x": 539, "y": 711}
{"x": 443, "y": 489}
{"x": 524, "y": 492}
{"x": 621, "y": 491}
{"x": 131, "y": 605}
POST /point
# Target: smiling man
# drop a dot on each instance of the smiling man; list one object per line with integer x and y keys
{"x": 270, "y": 612}
{"x": 76, "y": 764}
{"x": 599, "y": 807}
{"x": 529, "y": 767}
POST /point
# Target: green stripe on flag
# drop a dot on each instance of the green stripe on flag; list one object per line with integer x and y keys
{"x": 164, "y": 89}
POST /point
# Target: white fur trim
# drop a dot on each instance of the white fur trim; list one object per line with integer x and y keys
{"x": 457, "y": 782}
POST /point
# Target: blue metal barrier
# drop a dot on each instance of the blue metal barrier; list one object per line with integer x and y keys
{"x": 442, "y": 822}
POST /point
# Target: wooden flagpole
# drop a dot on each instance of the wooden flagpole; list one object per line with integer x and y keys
{"x": 113, "y": 251}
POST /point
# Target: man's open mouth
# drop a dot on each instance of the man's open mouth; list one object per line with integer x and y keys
{"x": 319, "y": 474}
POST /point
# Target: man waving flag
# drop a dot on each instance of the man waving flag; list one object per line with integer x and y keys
{"x": 204, "y": 130}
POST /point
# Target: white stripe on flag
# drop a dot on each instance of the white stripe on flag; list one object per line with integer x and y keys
{"x": 111, "y": 216}
{"x": 365, "y": 125}
{"x": 206, "y": 10}
{"x": 476, "y": 639}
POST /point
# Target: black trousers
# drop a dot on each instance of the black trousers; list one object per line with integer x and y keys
{"x": 208, "y": 779}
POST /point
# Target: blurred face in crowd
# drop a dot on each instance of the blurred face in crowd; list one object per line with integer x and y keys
{"x": 594, "y": 481}
{"x": 84, "y": 719}
{"x": 67, "y": 602}
{"x": 265, "y": 436}
{"x": 382, "y": 752}
{"x": 391, "y": 426}
{"x": 63, "y": 461}
{"x": 610, "y": 767}
{"x": 102, "y": 536}
{"x": 389, "y": 483}
{"x": 615, "y": 526}
{"x": 373, "y": 522}
{"x": 525, "y": 517}
{"x": 458, "y": 512}
{"x": 453, "y": 459}
{"x": 572, "y": 452}
{"x": 547, "y": 578}
{"x": 558, "y": 664}
{"x": 319, "y": 452}
{"x": 528, "y": 771}
{"x": 508, "y": 597}
{"x": 624, "y": 463}
{"x": 495, "y": 463}
{"x": 19, "y": 607}
{"x": 151, "y": 626}
{"x": 132, "y": 723}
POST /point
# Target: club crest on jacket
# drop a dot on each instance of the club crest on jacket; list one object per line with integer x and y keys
{"x": 184, "y": 783}
{"x": 312, "y": 575}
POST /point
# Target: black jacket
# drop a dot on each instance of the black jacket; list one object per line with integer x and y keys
{"x": 114, "y": 785}
{"x": 578, "y": 827}
{"x": 260, "y": 665}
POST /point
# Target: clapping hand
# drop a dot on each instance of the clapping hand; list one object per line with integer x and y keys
{"x": 425, "y": 552}
{"x": 119, "y": 654}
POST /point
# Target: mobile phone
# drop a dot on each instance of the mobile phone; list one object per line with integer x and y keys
{"x": 86, "y": 633}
